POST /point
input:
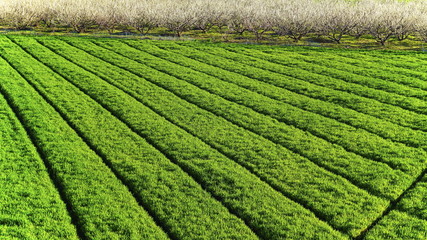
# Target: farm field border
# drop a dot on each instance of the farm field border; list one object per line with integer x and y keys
{"x": 354, "y": 23}
{"x": 214, "y": 142}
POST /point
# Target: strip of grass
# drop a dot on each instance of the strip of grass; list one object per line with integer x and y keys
{"x": 362, "y": 104}
{"x": 367, "y": 68}
{"x": 341, "y": 133}
{"x": 415, "y": 200}
{"x": 401, "y": 67}
{"x": 323, "y": 72}
{"x": 102, "y": 205}
{"x": 410, "y": 83}
{"x": 264, "y": 158}
{"x": 165, "y": 190}
{"x": 365, "y": 74}
{"x": 270, "y": 214}
{"x": 345, "y": 115}
{"x": 375, "y": 176}
{"x": 399, "y": 225}
{"x": 30, "y": 205}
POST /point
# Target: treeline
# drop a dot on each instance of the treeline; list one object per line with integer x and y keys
{"x": 295, "y": 19}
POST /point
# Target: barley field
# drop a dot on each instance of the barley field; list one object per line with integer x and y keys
{"x": 138, "y": 139}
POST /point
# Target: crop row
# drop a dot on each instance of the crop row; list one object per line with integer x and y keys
{"x": 320, "y": 72}
{"x": 101, "y": 205}
{"x": 413, "y": 83}
{"x": 361, "y": 170}
{"x": 408, "y": 217}
{"x": 414, "y": 201}
{"x": 398, "y": 225}
{"x": 403, "y": 65}
{"x": 391, "y": 67}
{"x": 174, "y": 198}
{"x": 238, "y": 189}
{"x": 31, "y": 206}
{"x": 369, "y": 101}
{"x": 264, "y": 158}
{"x": 370, "y": 75}
{"x": 408, "y": 136}
{"x": 327, "y": 131}
{"x": 345, "y": 115}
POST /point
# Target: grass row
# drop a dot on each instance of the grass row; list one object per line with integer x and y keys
{"x": 378, "y": 126}
{"x": 256, "y": 153}
{"x": 101, "y": 205}
{"x": 168, "y": 193}
{"x": 408, "y": 218}
{"x": 402, "y": 65}
{"x": 375, "y": 176}
{"x": 342, "y": 66}
{"x": 337, "y": 76}
{"x": 403, "y": 62}
{"x": 277, "y": 217}
{"x": 415, "y": 200}
{"x": 369, "y": 103}
{"x": 377, "y": 66}
{"x": 355, "y": 140}
{"x": 398, "y": 225}
{"x": 31, "y": 206}
{"x": 359, "y": 72}
{"x": 324, "y": 71}
{"x": 373, "y": 76}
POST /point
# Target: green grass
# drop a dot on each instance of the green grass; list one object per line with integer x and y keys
{"x": 187, "y": 140}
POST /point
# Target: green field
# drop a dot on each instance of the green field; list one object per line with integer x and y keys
{"x": 137, "y": 139}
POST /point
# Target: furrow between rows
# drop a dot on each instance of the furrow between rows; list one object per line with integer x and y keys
{"x": 398, "y": 225}
{"x": 396, "y": 204}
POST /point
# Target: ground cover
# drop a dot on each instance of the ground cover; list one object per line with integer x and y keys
{"x": 188, "y": 140}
